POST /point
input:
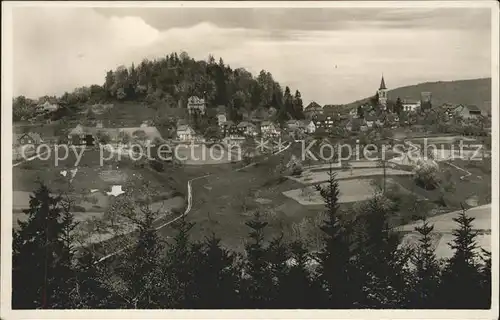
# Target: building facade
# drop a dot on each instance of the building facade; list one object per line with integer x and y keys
{"x": 382, "y": 93}
{"x": 196, "y": 104}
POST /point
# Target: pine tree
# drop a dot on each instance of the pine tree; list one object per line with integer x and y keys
{"x": 298, "y": 278}
{"x": 277, "y": 257}
{"x": 461, "y": 287}
{"x": 398, "y": 106}
{"x": 486, "y": 278}
{"x": 298, "y": 106}
{"x": 92, "y": 292}
{"x": 139, "y": 270}
{"x": 382, "y": 265}
{"x": 257, "y": 280}
{"x": 178, "y": 273}
{"x": 375, "y": 100}
{"x": 216, "y": 277}
{"x": 335, "y": 258}
{"x": 360, "y": 112}
{"x": 427, "y": 270}
{"x": 42, "y": 273}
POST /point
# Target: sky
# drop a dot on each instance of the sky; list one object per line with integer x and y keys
{"x": 332, "y": 55}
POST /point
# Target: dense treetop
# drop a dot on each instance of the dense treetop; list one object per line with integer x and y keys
{"x": 171, "y": 80}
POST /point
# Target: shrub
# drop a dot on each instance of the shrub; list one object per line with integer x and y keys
{"x": 426, "y": 176}
{"x": 77, "y": 208}
{"x": 296, "y": 169}
{"x": 157, "y": 165}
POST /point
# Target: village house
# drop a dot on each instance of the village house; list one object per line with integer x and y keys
{"x": 313, "y": 109}
{"x": 27, "y": 138}
{"x": 47, "y": 106}
{"x": 196, "y": 105}
{"x": 221, "y": 116}
{"x": 468, "y": 111}
{"x": 353, "y": 113}
{"x": 269, "y": 129}
{"x": 332, "y": 110}
{"x": 235, "y": 140}
{"x": 410, "y": 105}
{"x": 185, "y": 133}
{"x": 292, "y": 124}
{"x": 370, "y": 120}
{"x": 247, "y": 128}
{"x": 308, "y": 126}
{"x": 228, "y": 128}
{"x": 84, "y": 135}
{"x": 356, "y": 124}
{"x": 324, "y": 121}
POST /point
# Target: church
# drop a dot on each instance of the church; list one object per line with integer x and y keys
{"x": 382, "y": 93}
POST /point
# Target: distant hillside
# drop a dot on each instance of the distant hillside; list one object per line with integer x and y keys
{"x": 169, "y": 82}
{"x": 475, "y": 91}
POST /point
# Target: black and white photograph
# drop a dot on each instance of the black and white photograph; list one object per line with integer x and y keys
{"x": 250, "y": 156}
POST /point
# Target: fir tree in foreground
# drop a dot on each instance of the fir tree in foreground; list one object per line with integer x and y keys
{"x": 463, "y": 281}
{"x": 427, "y": 270}
{"x": 216, "y": 277}
{"x": 336, "y": 268}
{"x": 139, "y": 287}
{"x": 381, "y": 264}
{"x": 42, "y": 257}
{"x": 361, "y": 265}
{"x": 179, "y": 269}
{"x": 257, "y": 281}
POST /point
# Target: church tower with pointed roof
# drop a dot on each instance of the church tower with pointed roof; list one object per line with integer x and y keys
{"x": 382, "y": 93}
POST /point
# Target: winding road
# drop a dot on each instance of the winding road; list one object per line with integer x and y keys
{"x": 188, "y": 207}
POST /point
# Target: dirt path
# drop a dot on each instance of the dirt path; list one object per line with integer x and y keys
{"x": 29, "y": 159}
{"x": 461, "y": 169}
{"x": 189, "y": 205}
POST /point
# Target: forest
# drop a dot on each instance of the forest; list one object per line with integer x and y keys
{"x": 361, "y": 264}
{"x": 170, "y": 81}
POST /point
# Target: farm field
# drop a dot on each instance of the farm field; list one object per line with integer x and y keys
{"x": 443, "y": 228}
{"x": 308, "y": 178}
{"x": 222, "y": 203}
{"x": 350, "y": 191}
{"x": 204, "y": 155}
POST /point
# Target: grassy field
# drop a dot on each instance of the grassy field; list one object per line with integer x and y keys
{"x": 456, "y": 191}
{"x": 353, "y": 190}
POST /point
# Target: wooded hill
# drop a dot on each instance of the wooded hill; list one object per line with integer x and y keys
{"x": 470, "y": 92}
{"x": 171, "y": 80}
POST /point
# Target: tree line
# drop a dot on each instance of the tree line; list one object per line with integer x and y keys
{"x": 361, "y": 264}
{"x": 172, "y": 79}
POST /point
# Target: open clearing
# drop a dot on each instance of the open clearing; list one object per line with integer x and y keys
{"x": 444, "y": 223}
{"x": 308, "y": 178}
{"x": 222, "y": 203}
{"x": 443, "y": 228}
{"x": 201, "y": 154}
{"x": 350, "y": 191}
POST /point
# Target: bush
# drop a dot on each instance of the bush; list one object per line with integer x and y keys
{"x": 426, "y": 176}
{"x": 297, "y": 169}
{"x": 157, "y": 165}
{"x": 77, "y": 208}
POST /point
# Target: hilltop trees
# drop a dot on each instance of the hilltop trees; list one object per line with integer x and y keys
{"x": 176, "y": 78}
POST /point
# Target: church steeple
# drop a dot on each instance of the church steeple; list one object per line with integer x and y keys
{"x": 382, "y": 93}
{"x": 382, "y": 84}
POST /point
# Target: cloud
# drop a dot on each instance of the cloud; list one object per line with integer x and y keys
{"x": 57, "y": 50}
{"x": 309, "y": 18}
